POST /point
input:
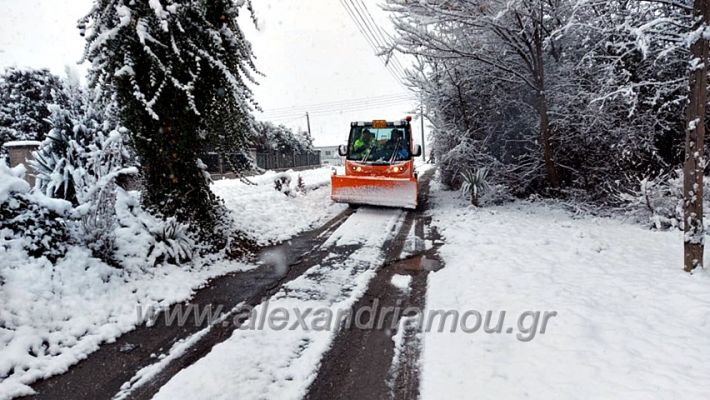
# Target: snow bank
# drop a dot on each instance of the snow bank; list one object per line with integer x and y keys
{"x": 271, "y": 216}
{"x": 53, "y": 316}
{"x": 630, "y": 323}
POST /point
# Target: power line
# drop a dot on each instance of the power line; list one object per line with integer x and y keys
{"x": 338, "y": 110}
{"x": 334, "y": 103}
{"x": 384, "y": 38}
{"x": 363, "y": 107}
{"x": 352, "y": 13}
{"x": 369, "y": 28}
{"x": 339, "y": 106}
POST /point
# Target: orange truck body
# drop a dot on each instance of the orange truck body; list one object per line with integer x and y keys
{"x": 390, "y": 184}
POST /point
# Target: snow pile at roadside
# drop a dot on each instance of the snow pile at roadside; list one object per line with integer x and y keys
{"x": 55, "y": 315}
{"x": 271, "y": 216}
{"x": 630, "y": 323}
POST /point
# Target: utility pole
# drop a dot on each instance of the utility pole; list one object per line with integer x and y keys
{"x": 421, "y": 117}
{"x": 308, "y": 123}
{"x": 694, "y": 164}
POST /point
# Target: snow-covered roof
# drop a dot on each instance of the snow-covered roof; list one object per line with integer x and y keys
{"x": 22, "y": 143}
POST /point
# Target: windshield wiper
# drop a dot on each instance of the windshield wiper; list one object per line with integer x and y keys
{"x": 396, "y": 148}
{"x": 367, "y": 154}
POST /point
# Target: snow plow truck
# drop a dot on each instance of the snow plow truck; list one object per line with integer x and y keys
{"x": 379, "y": 165}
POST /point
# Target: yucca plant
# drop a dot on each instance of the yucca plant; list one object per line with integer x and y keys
{"x": 475, "y": 183}
{"x": 172, "y": 242}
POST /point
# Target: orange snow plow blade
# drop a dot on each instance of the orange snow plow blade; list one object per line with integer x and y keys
{"x": 373, "y": 190}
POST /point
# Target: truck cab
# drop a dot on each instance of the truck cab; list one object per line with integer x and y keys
{"x": 379, "y": 165}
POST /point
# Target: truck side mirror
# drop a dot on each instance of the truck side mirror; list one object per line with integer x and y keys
{"x": 417, "y": 150}
{"x": 342, "y": 150}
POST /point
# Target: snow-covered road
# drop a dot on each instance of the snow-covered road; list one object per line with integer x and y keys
{"x": 262, "y": 361}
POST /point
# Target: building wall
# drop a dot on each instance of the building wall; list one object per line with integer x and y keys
{"x": 329, "y": 155}
{"x": 21, "y": 153}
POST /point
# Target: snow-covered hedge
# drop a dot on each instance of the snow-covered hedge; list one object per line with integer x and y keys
{"x": 34, "y": 219}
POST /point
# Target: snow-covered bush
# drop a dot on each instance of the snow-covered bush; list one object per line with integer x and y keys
{"x": 80, "y": 161}
{"x": 57, "y": 162}
{"x": 142, "y": 240}
{"x": 34, "y": 219}
{"x": 497, "y": 194}
{"x": 282, "y": 183}
{"x": 658, "y": 202}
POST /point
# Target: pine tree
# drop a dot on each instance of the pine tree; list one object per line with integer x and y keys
{"x": 167, "y": 64}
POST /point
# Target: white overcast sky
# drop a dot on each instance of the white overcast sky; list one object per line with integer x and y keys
{"x": 310, "y": 51}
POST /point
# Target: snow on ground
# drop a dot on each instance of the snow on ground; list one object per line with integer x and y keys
{"x": 58, "y": 314}
{"x": 401, "y": 282}
{"x": 55, "y": 315}
{"x": 273, "y": 363}
{"x": 271, "y": 216}
{"x": 630, "y": 323}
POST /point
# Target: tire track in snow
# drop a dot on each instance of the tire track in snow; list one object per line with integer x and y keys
{"x": 267, "y": 363}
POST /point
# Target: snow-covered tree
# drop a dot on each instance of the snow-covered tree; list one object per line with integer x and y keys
{"x": 613, "y": 95}
{"x": 229, "y": 132}
{"x": 305, "y": 139}
{"x": 167, "y": 64}
{"x": 662, "y": 34}
{"x": 514, "y": 39}
{"x": 268, "y": 136}
{"x": 25, "y": 97}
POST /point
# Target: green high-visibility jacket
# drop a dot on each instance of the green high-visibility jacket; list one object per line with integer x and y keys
{"x": 358, "y": 145}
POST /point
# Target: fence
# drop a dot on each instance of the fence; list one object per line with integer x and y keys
{"x": 278, "y": 160}
{"x": 266, "y": 160}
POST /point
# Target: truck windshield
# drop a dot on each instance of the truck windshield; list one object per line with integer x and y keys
{"x": 378, "y": 145}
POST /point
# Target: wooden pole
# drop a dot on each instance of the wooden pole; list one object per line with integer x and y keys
{"x": 694, "y": 165}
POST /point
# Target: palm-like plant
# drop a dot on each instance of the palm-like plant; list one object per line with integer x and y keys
{"x": 475, "y": 183}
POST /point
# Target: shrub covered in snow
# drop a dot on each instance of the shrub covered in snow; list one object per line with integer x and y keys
{"x": 268, "y": 136}
{"x": 37, "y": 221}
{"x": 300, "y": 184}
{"x": 80, "y": 161}
{"x": 282, "y": 183}
{"x": 142, "y": 240}
{"x": 657, "y": 201}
